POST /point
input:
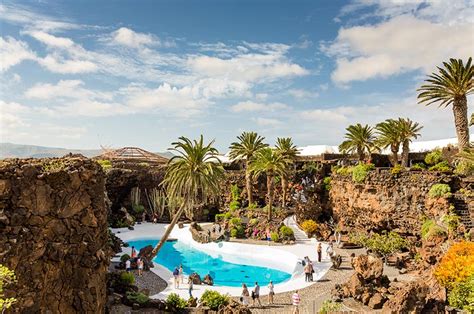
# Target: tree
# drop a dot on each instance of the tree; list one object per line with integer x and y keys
{"x": 191, "y": 177}
{"x": 270, "y": 162}
{"x": 450, "y": 86}
{"x": 288, "y": 150}
{"x": 409, "y": 130}
{"x": 388, "y": 134}
{"x": 359, "y": 140}
{"x": 246, "y": 148}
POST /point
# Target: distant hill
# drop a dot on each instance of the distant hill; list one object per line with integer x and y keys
{"x": 9, "y": 150}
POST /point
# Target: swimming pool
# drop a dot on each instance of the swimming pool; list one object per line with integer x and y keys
{"x": 224, "y": 273}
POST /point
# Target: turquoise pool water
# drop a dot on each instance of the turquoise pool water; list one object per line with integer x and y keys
{"x": 173, "y": 254}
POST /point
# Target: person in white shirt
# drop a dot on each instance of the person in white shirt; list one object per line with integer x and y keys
{"x": 256, "y": 294}
{"x": 295, "y": 298}
{"x": 271, "y": 292}
{"x": 128, "y": 265}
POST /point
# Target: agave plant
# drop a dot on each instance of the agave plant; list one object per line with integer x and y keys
{"x": 288, "y": 150}
{"x": 360, "y": 140}
{"x": 450, "y": 86}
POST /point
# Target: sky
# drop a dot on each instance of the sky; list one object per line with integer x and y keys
{"x": 90, "y": 73}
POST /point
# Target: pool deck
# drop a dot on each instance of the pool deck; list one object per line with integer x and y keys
{"x": 279, "y": 257}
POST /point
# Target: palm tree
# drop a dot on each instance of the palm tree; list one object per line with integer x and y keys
{"x": 191, "y": 177}
{"x": 288, "y": 150}
{"x": 359, "y": 140}
{"x": 388, "y": 134}
{"x": 270, "y": 162}
{"x": 246, "y": 148}
{"x": 409, "y": 130}
{"x": 450, "y": 87}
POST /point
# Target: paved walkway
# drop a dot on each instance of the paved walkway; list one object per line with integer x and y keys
{"x": 300, "y": 235}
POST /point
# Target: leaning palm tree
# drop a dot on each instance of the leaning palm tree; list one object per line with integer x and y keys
{"x": 191, "y": 177}
{"x": 288, "y": 150}
{"x": 408, "y": 130}
{"x": 246, "y": 148}
{"x": 359, "y": 140}
{"x": 270, "y": 162}
{"x": 388, "y": 135}
{"x": 450, "y": 87}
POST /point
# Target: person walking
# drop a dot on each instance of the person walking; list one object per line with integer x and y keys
{"x": 134, "y": 252}
{"x": 244, "y": 298}
{"x": 311, "y": 270}
{"x": 256, "y": 294}
{"x": 128, "y": 265}
{"x": 307, "y": 272}
{"x": 319, "y": 250}
{"x": 190, "y": 287}
{"x": 330, "y": 250}
{"x": 181, "y": 277}
{"x": 271, "y": 292}
{"x": 140, "y": 266}
{"x": 176, "y": 277}
{"x": 296, "y": 300}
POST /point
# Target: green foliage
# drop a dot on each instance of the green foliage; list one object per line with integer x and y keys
{"x": 105, "y": 164}
{"x": 309, "y": 226}
{"x": 138, "y": 209}
{"x": 396, "y": 169}
{"x": 327, "y": 183}
{"x": 359, "y": 172}
{"x": 237, "y": 232}
{"x": 7, "y": 277}
{"x": 440, "y": 190}
{"x": 253, "y": 206}
{"x": 214, "y": 299}
{"x": 431, "y": 229}
{"x": 465, "y": 168}
{"x": 253, "y": 222}
{"x": 219, "y": 217}
{"x": 54, "y": 165}
{"x": 383, "y": 244}
{"x": 434, "y": 157}
{"x": 418, "y": 166}
{"x": 344, "y": 171}
{"x": 442, "y": 166}
{"x": 330, "y": 306}
{"x": 359, "y": 140}
{"x": 174, "y": 301}
{"x": 137, "y": 297}
{"x": 274, "y": 236}
{"x": 127, "y": 278}
{"x": 124, "y": 258}
{"x": 235, "y": 222}
{"x": 234, "y": 205}
{"x": 462, "y": 295}
{"x": 235, "y": 192}
{"x": 451, "y": 220}
{"x": 286, "y": 232}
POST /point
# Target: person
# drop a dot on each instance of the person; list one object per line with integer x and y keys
{"x": 330, "y": 250}
{"x": 190, "y": 287}
{"x": 256, "y": 294}
{"x": 271, "y": 292}
{"x": 128, "y": 265}
{"x": 176, "y": 277}
{"x": 140, "y": 266}
{"x": 181, "y": 277}
{"x": 320, "y": 249}
{"x": 244, "y": 298}
{"x": 134, "y": 252}
{"x": 268, "y": 235}
{"x": 307, "y": 272}
{"x": 295, "y": 298}
{"x": 311, "y": 270}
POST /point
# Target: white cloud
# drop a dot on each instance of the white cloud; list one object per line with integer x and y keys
{"x": 11, "y": 117}
{"x": 51, "y": 40}
{"x": 302, "y": 93}
{"x": 255, "y": 106}
{"x": 338, "y": 114}
{"x": 65, "y": 89}
{"x": 13, "y": 52}
{"x": 58, "y": 64}
{"x": 127, "y": 37}
{"x": 268, "y": 122}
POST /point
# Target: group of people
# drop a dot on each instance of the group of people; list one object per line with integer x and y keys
{"x": 139, "y": 261}
{"x": 178, "y": 277}
{"x": 329, "y": 251}
{"x": 255, "y": 294}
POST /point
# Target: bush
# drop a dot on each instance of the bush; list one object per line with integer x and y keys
{"x": 138, "y": 209}
{"x": 137, "y": 297}
{"x": 327, "y": 183}
{"x": 396, "y": 170}
{"x": 227, "y": 216}
{"x": 456, "y": 265}
{"x": 451, "y": 220}
{"x": 235, "y": 222}
{"x": 418, "y": 166}
{"x": 253, "y": 222}
{"x": 275, "y": 237}
{"x": 234, "y": 205}
{"x": 7, "y": 277}
{"x": 359, "y": 172}
{"x": 127, "y": 279}
{"x": 253, "y": 206}
{"x": 431, "y": 229}
{"x": 462, "y": 295}
{"x": 439, "y": 190}
{"x": 383, "y": 244}
{"x": 105, "y": 164}
{"x": 344, "y": 171}
{"x": 434, "y": 157}
{"x": 214, "y": 299}
{"x": 219, "y": 217}
{"x": 309, "y": 226}
{"x": 464, "y": 168}
{"x": 124, "y": 258}
{"x": 286, "y": 232}
{"x": 330, "y": 306}
{"x": 174, "y": 301}
{"x": 237, "y": 232}
{"x": 235, "y": 192}
{"x": 441, "y": 167}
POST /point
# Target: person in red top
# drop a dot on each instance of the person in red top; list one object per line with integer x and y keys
{"x": 134, "y": 252}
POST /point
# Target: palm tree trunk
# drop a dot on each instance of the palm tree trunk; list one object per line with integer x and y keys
{"x": 405, "y": 152}
{"x": 461, "y": 121}
{"x": 394, "y": 149}
{"x": 165, "y": 236}
{"x": 284, "y": 186}
{"x": 360, "y": 153}
{"x": 270, "y": 191}
{"x": 248, "y": 183}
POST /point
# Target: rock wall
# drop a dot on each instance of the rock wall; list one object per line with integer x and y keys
{"x": 387, "y": 202}
{"x": 53, "y": 234}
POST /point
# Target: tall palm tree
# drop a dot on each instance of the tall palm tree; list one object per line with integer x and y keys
{"x": 270, "y": 162}
{"x": 359, "y": 140}
{"x": 191, "y": 177}
{"x": 450, "y": 86}
{"x": 409, "y": 130}
{"x": 246, "y": 148}
{"x": 388, "y": 134}
{"x": 287, "y": 149}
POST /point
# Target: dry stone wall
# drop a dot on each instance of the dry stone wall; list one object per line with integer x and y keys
{"x": 53, "y": 234}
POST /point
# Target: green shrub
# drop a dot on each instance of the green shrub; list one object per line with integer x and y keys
{"x": 451, "y": 220}
{"x": 344, "y": 171}
{"x": 137, "y": 297}
{"x": 219, "y": 217}
{"x": 330, "y": 306}
{"x": 464, "y": 168}
{"x": 138, "y": 209}
{"x": 383, "y": 244}
{"x": 431, "y": 229}
{"x": 275, "y": 237}
{"x": 434, "y": 157}
{"x": 237, "y": 232}
{"x": 54, "y": 165}
{"x": 174, "y": 301}
{"x": 441, "y": 167}
{"x": 235, "y": 222}
{"x": 286, "y": 232}
{"x": 439, "y": 190}
{"x": 359, "y": 172}
{"x": 327, "y": 183}
{"x": 396, "y": 170}
{"x": 253, "y": 222}
{"x": 234, "y": 205}
{"x": 253, "y": 206}
{"x": 214, "y": 299}
{"x": 105, "y": 164}
{"x": 309, "y": 226}
{"x": 418, "y": 166}
{"x": 124, "y": 258}
{"x": 227, "y": 216}
{"x": 127, "y": 278}
{"x": 462, "y": 295}
{"x": 235, "y": 192}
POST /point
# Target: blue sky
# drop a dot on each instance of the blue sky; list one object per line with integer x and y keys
{"x": 85, "y": 74}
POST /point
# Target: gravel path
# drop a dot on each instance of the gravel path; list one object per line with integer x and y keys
{"x": 148, "y": 280}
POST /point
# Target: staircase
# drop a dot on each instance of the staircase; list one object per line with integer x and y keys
{"x": 465, "y": 210}
{"x": 300, "y": 235}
